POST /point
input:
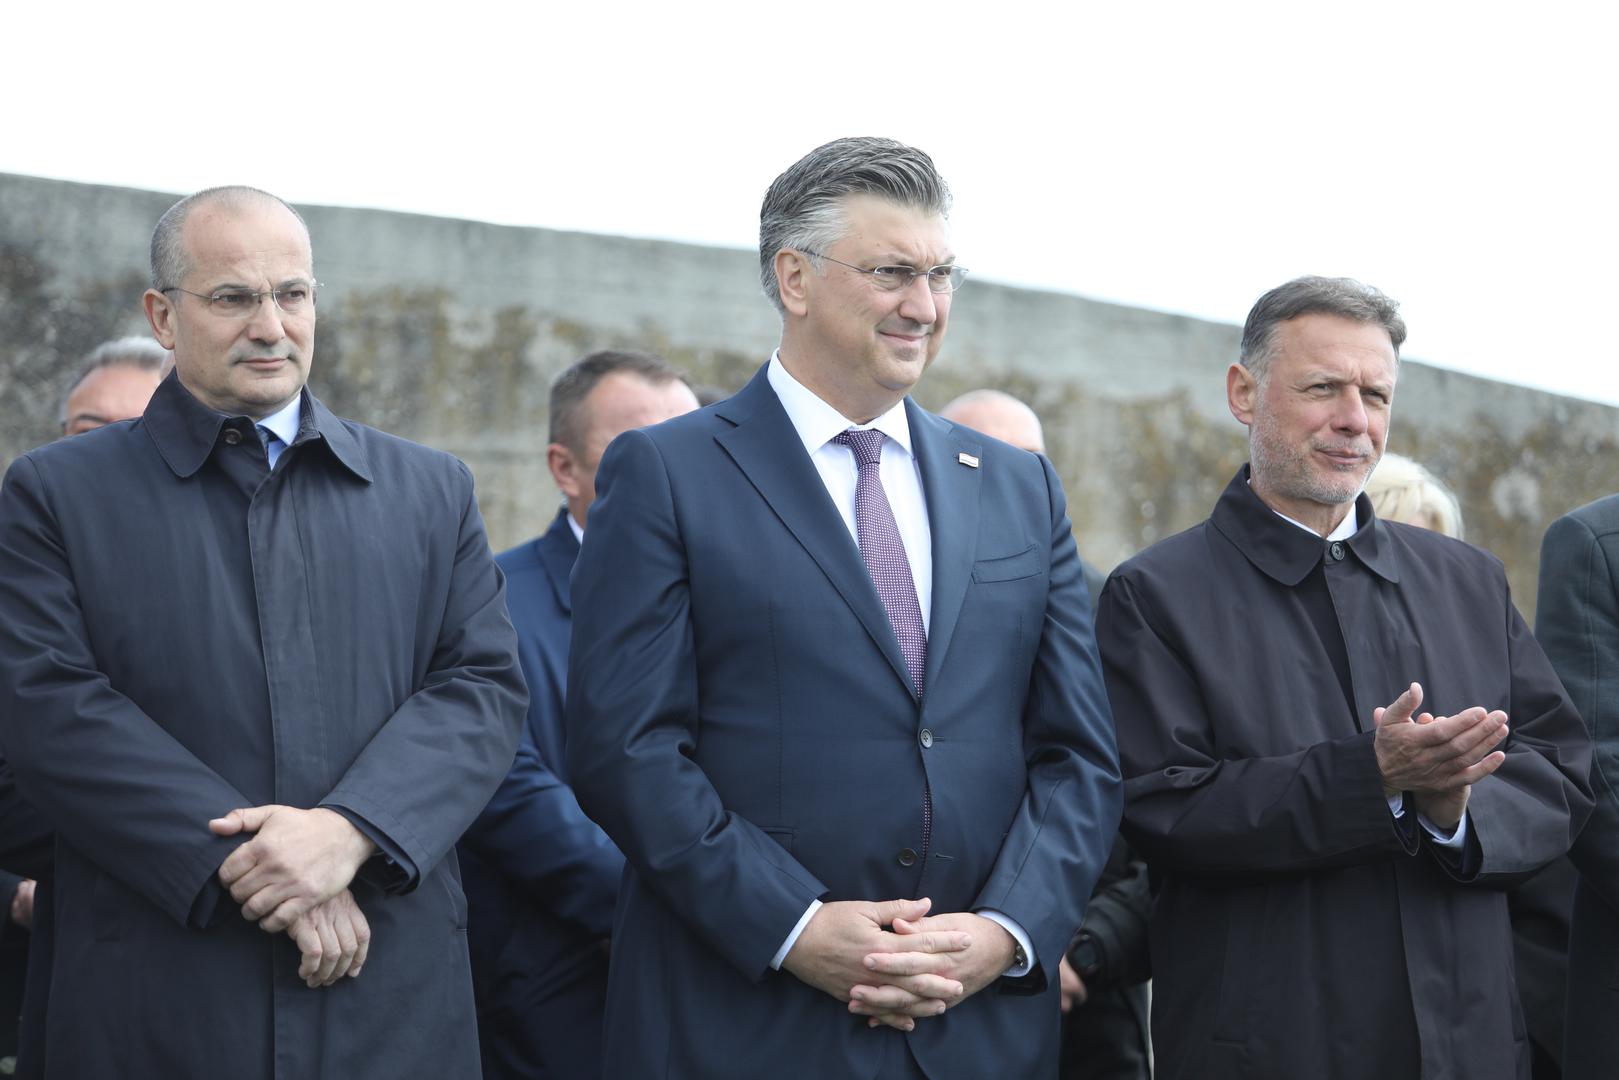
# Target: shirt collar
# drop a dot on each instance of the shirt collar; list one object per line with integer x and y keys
{"x": 578, "y": 529}
{"x": 283, "y": 423}
{"x": 818, "y": 423}
{"x": 1288, "y": 551}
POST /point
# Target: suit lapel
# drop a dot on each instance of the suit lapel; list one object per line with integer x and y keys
{"x": 558, "y": 550}
{"x": 952, "y": 495}
{"x": 768, "y": 451}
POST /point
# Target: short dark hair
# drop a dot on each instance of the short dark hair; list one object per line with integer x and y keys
{"x": 1344, "y": 297}
{"x": 803, "y": 210}
{"x": 137, "y": 352}
{"x": 573, "y": 386}
{"x": 170, "y": 260}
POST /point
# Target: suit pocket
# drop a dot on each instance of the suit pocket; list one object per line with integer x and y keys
{"x": 1025, "y": 563}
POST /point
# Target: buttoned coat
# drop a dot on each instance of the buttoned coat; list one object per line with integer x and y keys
{"x": 1297, "y": 929}
{"x": 1577, "y": 620}
{"x": 183, "y": 631}
{"x": 741, "y": 722}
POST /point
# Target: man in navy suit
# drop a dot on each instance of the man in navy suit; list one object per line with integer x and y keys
{"x": 542, "y": 878}
{"x": 833, "y": 689}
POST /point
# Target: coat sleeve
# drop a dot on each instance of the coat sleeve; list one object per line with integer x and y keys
{"x": 632, "y": 725}
{"x": 1577, "y": 623}
{"x": 435, "y": 762}
{"x": 108, "y": 777}
{"x": 1058, "y": 843}
{"x": 1188, "y": 810}
{"x": 534, "y": 832}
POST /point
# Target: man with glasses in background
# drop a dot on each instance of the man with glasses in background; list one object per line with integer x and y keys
{"x": 256, "y": 671}
{"x": 833, "y": 690}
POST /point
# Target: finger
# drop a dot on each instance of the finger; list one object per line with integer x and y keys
{"x": 1377, "y": 716}
{"x": 1446, "y": 728}
{"x": 888, "y": 911}
{"x": 244, "y": 819}
{"x": 1425, "y": 718}
{"x": 305, "y": 936}
{"x": 347, "y": 946}
{"x": 875, "y": 1000}
{"x": 1474, "y": 773}
{"x": 362, "y": 934}
{"x": 285, "y": 914}
{"x": 893, "y": 1020}
{"x": 1399, "y": 712}
{"x": 238, "y": 863}
{"x": 259, "y": 905}
{"x": 921, "y": 937}
{"x": 1481, "y": 734}
{"x": 325, "y": 975}
{"x": 910, "y": 963}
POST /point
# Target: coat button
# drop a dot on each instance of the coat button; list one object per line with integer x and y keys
{"x": 232, "y": 436}
{"x": 926, "y": 738}
{"x": 1337, "y": 550}
{"x": 906, "y": 857}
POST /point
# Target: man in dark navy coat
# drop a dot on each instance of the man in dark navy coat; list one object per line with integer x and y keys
{"x": 832, "y": 687}
{"x": 1340, "y": 742}
{"x": 541, "y": 877}
{"x": 256, "y": 671}
{"x": 1577, "y": 620}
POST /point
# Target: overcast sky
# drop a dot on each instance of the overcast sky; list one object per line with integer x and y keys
{"x": 1184, "y": 157}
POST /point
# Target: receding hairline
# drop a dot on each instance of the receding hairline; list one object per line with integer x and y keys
{"x": 171, "y": 250}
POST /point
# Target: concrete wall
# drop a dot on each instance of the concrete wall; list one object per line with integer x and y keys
{"x": 449, "y": 332}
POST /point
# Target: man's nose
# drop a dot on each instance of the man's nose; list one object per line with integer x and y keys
{"x": 1351, "y": 413}
{"x": 265, "y": 324}
{"x": 919, "y": 303}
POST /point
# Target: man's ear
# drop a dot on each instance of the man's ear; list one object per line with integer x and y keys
{"x": 161, "y": 314}
{"x": 1241, "y": 389}
{"x": 564, "y": 469}
{"x": 792, "y": 280}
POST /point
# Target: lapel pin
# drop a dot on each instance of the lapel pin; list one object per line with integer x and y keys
{"x": 967, "y": 460}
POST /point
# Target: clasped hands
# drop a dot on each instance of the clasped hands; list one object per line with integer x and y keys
{"x": 921, "y": 967}
{"x": 293, "y": 876}
{"x": 1437, "y": 759}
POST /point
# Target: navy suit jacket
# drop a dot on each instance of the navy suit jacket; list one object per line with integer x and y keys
{"x": 741, "y": 722}
{"x": 541, "y": 877}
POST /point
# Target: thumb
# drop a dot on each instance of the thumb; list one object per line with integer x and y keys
{"x": 1404, "y": 705}
{"x": 890, "y": 911}
{"x": 246, "y": 819}
{"x": 1377, "y": 716}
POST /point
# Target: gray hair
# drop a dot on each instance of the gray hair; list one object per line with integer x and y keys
{"x": 170, "y": 259}
{"x": 804, "y": 208}
{"x": 137, "y": 352}
{"x": 573, "y": 386}
{"x": 1344, "y": 297}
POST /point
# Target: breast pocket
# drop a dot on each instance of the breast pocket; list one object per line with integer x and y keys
{"x": 1026, "y": 563}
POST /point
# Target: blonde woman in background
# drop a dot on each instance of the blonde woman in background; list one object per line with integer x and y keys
{"x": 1402, "y": 490}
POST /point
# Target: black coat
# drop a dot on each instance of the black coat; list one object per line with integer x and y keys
{"x": 183, "y": 632}
{"x": 1298, "y": 931}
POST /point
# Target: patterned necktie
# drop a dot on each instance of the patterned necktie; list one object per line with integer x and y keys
{"x": 272, "y": 444}
{"x": 883, "y": 551}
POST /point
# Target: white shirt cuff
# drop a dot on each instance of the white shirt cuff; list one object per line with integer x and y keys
{"x": 1455, "y": 841}
{"x": 792, "y": 938}
{"x": 1017, "y": 970}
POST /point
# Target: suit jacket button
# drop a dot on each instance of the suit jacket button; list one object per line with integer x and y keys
{"x": 926, "y": 738}
{"x": 907, "y": 857}
{"x": 232, "y": 436}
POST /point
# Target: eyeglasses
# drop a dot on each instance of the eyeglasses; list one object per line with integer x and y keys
{"x": 294, "y": 299}
{"x": 941, "y": 279}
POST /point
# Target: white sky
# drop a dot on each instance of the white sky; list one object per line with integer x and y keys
{"x": 1179, "y": 156}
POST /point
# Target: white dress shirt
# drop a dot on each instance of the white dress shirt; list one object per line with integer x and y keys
{"x": 283, "y": 424}
{"x": 817, "y": 424}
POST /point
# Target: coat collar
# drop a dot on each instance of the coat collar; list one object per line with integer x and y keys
{"x": 186, "y": 431}
{"x": 558, "y": 550}
{"x": 1288, "y": 553}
